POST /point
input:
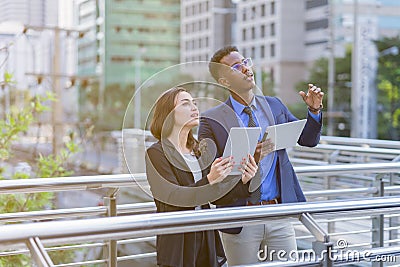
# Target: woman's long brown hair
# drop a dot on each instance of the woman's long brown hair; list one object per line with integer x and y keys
{"x": 163, "y": 118}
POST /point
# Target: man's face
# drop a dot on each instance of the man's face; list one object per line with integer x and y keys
{"x": 238, "y": 74}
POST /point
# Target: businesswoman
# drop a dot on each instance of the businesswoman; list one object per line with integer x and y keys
{"x": 180, "y": 179}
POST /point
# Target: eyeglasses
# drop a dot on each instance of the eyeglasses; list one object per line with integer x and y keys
{"x": 247, "y": 62}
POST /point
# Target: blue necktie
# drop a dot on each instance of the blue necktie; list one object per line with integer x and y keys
{"x": 256, "y": 195}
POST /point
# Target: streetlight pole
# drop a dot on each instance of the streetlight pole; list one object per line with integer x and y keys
{"x": 57, "y": 117}
{"x": 354, "y": 75}
{"x": 55, "y": 75}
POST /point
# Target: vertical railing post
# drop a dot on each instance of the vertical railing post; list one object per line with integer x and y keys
{"x": 378, "y": 220}
{"x": 393, "y": 221}
{"x": 322, "y": 245}
{"x": 110, "y": 250}
{"x": 329, "y": 184}
{"x": 325, "y": 250}
{"x": 38, "y": 252}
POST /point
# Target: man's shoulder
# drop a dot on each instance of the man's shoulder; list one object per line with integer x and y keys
{"x": 268, "y": 98}
{"x": 273, "y": 101}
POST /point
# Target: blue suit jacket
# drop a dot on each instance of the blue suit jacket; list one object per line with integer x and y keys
{"x": 216, "y": 122}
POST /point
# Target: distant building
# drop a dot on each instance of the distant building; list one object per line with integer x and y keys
{"x": 125, "y": 43}
{"x": 284, "y": 38}
{"x": 33, "y": 12}
{"x": 29, "y": 53}
{"x": 122, "y": 32}
{"x": 272, "y": 33}
{"x": 206, "y": 26}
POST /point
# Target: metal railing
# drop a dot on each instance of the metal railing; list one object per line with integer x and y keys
{"x": 116, "y": 181}
{"x": 137, "y": 226}
{"x": 334, "y": 150}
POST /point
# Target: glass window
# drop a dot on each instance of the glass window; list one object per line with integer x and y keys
{"x": 315, "y": 3}
{"x": 272, "y": 50}
{"x": 317, "y": 24}
{"x": 272, "y": 29}
{"x": 272, "y": 8}
{"x": 253, "y": 12}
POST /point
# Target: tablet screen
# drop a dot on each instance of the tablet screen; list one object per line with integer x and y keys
{"x": 285, "y": 135}
{"x": 241, "y": 142}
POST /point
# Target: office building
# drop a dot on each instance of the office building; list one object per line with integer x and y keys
{"x": 283, "y": 37}
{"x": 124, "y": 32}
{"x": 275, "y": 41}
{"x": 206, "y": 25}
{"x": 33, "y": 12}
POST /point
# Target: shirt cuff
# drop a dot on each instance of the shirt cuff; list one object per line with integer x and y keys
{"x": 316, "y": 117}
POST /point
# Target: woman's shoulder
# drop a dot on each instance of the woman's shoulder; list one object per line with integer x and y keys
{"x": 155, "y": 146}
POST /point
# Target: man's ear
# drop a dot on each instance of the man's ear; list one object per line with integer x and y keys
{"x": 224, "y": 82}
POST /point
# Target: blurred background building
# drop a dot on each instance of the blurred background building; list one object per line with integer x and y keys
{"x": 126, "y": 42}
{"x": 28, "y": 32}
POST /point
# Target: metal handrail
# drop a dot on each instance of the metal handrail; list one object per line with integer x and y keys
{"x": 149, "y": 207}
{"x": 178, "y": 222}
{"x": 359, "y": 141}
{"x": 349, "y": 168}
{"x": 94, "y": 182}
{"x": 69, "y": 183}
{"x": 135, "y": 208}
{"x": 118, "y": 180}
{"x": 373, "y": 150}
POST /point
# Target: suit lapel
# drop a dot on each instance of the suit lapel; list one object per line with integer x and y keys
{"x": 264, "y": 105}
{"x": 229, "y": 117}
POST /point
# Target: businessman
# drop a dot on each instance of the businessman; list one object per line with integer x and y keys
{"x": 277, "y": 182}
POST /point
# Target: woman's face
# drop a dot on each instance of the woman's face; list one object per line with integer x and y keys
{"x": 186, "y": 111}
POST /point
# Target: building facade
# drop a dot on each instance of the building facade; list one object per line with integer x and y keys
{"x": 206, "y": 26}
{"x": 283, "y": 37}
{"x": 126, "y": 42}
{"x": 122, "y": 32}
{"x": 34, "y": 12}
{"x": 269, "y": 35}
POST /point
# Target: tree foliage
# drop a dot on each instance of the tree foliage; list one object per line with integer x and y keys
{"x": 342, "y": 90}
{"x": 388, "y": 83}
{"x": 388, "y": 88}
{"x": 17, "y": 121}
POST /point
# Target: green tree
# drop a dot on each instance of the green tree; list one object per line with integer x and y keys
{"x": 342, "y": 91}
{"x": 388, "y": 83}
{"x": 16, "y": 122}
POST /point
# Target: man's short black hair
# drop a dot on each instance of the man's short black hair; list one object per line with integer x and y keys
{"x": 214, "y": 67}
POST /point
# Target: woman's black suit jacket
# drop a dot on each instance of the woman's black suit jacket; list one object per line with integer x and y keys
{"x": 171, "y": 180}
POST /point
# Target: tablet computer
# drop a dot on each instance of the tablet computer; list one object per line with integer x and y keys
{"x": 241, "y": 142}
{"x": 285, "y": 135}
